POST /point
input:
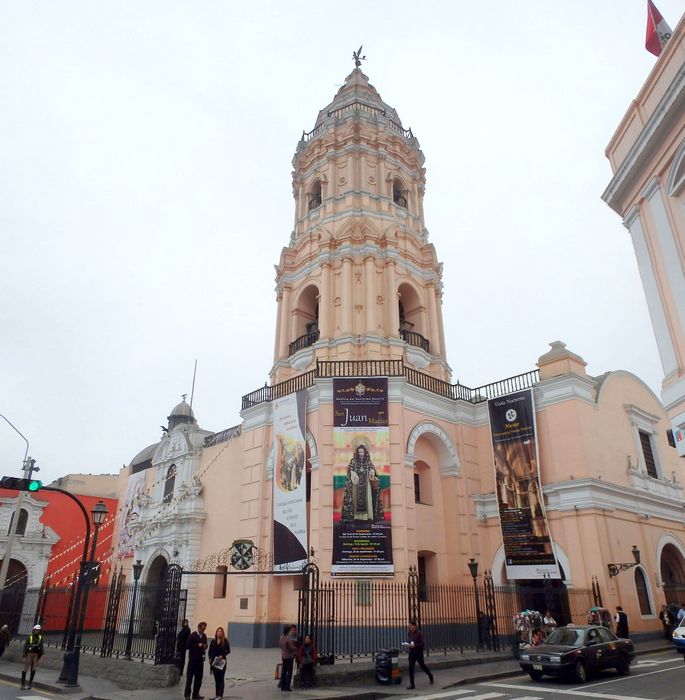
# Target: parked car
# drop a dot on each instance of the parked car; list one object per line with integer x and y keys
{"x": 577, "y": 651}
{"x": 679, "y": 638}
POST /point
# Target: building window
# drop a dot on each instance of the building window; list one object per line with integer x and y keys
{"x": 21, "y": 523}
{"x": 648, "y": 454}
{"x": 642, "y": 593}
{"x": 169, "y": 484}
{"x": 399, "y": 194}
{"x": 364, "y": 592}
{"x": 417, "y": 487}
{"x": 423, "y": 584}
{"x": 220, "y": 581}
{"x": 314, "y": 196}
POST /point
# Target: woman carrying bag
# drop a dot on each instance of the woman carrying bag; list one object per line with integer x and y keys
{"x": 219, "y": 649}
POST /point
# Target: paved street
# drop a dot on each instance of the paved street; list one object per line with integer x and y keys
{"x": 657, "y": 677}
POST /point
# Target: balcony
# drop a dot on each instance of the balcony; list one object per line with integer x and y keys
{"x": 391, "y": 368}
{"x": 304, "y": 341}
{"x": 415, "y": 339}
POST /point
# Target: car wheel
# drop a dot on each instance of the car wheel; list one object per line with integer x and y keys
{"x": 535, "y": 675}
{"x": 579, "y": 672}
{"x": 623, "y": 665}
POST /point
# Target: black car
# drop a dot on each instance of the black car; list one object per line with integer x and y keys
{"x": 577, "y": 651}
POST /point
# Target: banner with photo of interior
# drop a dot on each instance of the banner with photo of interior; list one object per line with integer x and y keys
{"x": 290, "y": 483}
{"x": 528, "y": 551}
{"x": 362, "y": 527}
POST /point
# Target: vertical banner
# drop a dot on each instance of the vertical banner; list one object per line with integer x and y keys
{"x": 290, "y": 483}
{"x": 362, "y": 528}
{"x": 528, "y": 552}
{"x": 130, "y": 512}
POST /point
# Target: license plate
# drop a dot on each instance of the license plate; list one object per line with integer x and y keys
{"x": 537, "y": 667}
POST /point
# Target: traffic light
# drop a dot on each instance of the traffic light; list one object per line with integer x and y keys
{"x": 13, "y": 482}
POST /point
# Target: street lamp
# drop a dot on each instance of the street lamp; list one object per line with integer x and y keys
{"x": 615, "y": 569}
{"x": 473, "y": 568}
{"x": 99, "y": 513}
{"x": 137, "y": 571}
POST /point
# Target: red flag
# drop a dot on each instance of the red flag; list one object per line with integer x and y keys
{"x": 658, "y": 32}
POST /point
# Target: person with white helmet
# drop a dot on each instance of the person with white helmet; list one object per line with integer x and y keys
{"x": 33, "y": 651}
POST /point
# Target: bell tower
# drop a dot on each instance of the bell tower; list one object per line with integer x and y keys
{"x": 359, "y": 279}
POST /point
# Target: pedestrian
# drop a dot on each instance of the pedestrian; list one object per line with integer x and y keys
{"x": 181, "y": 643}
{"x": 32, "y": 654}
{"x": 681, "y": 612}
{"x": 197, "y": 643}
{"x": 621, "y": 621}
{"x": 485, "y": 623}
{"x": 219, "y": 649}
{"x": 306, "y": 660}
{"x": 666, "y": 622}
{"x": 288, "y": 644}
{"x": 4, "y": 638}
{"x": 549, "y": 623}
{"x": 416, "y": 646}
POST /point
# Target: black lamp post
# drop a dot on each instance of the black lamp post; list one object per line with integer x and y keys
{"x": 137, "y": 571}
{"x": 87, "y": 574}
{"x": 615, "y": 569}
{"x": 473, "y": 568}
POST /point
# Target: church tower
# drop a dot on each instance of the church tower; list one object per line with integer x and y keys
{"x": 359, "y": 279}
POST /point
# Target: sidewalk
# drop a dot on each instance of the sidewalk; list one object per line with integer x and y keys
{"x": 251, "y": 677}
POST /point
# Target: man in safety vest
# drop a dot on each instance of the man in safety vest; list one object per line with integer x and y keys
{"x": 33, "y": 651}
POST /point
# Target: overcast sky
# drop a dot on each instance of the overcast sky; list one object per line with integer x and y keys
{"x": 145, "y": 195}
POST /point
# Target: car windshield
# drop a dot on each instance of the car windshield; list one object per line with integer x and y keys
{"x": 566, "y": 637}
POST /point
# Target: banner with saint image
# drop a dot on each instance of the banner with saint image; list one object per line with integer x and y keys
{"x": 290, "y": 483}
{"x": 528, "y": 552}
{"x": 362, "y": 527}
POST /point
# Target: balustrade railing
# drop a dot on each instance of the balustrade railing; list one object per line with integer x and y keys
{"x": 391, "y": 368}
{"x": 415, "y": 339}
{"x": 304, "y": 341}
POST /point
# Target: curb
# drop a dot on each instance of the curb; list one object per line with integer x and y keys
{"x": 40, "y": 685}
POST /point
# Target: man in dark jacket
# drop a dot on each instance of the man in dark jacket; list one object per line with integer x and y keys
{"x": 181, "y": 643}
{"x": 197, "y": 643}
{"x": 33, "y": 651}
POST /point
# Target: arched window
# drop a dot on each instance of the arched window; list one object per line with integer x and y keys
{"x": 399, "y": 193}
{"x": 21, "y": 523}
{"x": 169, "y": 483}
{"x": 314, "y": 196}
{"x": 642, "y": 592}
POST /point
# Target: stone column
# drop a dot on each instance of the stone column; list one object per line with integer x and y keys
{"x": 370, "y": 294}
{"x": 347, "y": 297}
{"x": 325, "y": 303}
{"x": 277, "y": 334}
{"x": 433, "y": 332}
{"x": 285, "y": 322}
{"x": 392, "y": 312}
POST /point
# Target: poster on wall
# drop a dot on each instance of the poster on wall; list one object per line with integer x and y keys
{"x": 362, "y": 527}
{"x": 528, "y": 552}
{"x": 130, "y": 513}
{"x": 290, "y": 483}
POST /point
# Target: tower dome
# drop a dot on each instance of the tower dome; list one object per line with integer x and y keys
{"x": 181, "y": 414}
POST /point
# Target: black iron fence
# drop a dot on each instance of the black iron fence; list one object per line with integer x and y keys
{"x": 112, "y": 625}
{"x": 356, "y": 618}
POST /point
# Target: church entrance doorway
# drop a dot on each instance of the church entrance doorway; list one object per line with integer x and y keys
{"x": 672, "y": 566}
{"x": 13, "y": 595}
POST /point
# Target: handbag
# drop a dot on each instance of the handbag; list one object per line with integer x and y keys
{"x": 277, "y": 672}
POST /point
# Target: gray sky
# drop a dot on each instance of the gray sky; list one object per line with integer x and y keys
{"x": 145, "y": 195}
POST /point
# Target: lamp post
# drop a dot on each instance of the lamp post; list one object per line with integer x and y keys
{"x": 473, "y": 568}
{"x": 615, "y": 569}
{"x": 137, "y": 571}
{"x": 99, "y": 513}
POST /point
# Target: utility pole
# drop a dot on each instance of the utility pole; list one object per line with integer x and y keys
{"x": 29, "y": 468}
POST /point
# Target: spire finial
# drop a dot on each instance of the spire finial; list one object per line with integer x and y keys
{"x": 357, "y": 56}
{"x": 183, "y": 396}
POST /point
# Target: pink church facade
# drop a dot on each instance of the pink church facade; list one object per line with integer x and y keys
{"x": 359, "y": 296}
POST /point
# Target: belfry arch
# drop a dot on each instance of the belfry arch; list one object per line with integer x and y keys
{"x": 441, "y": 443}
